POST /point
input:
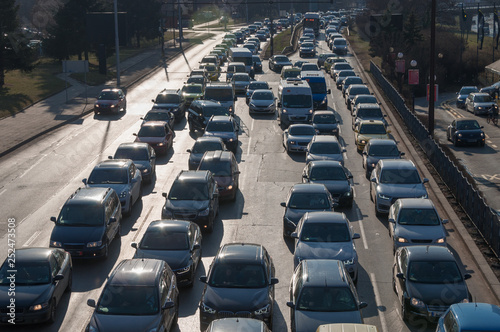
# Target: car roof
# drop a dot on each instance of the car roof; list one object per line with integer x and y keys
{"x": 259, "y": 82}
{"x": 241, "y": 252}
{"x": 480, "y": 94}
{"x": 26, "y": 255}
{"x": 196, "y": 176}
{"x": 354, "y": 86}
{"x": 137, "y": 272}
{"x": 325, "y": 217}
{"x": 416, "y": 203}
{"x": 209, "y": 139}
{"x": 153, "y": 124}
{"x": 325, "y": 112}
{"x": 236, "y": 324}
{"x": 114, "y": 163}
{"x": 325, "y": 163}
{"x": 204, "y": 102}
{"x": 172, "y": 225}
{"x": 217, "y": 156}
{"x": 377, "y": 122}
{"x": 221, "y": 118}
{"x": 87, "y": 195}
{"x": 309, "y": 188}
{"x": 111, "y": 90}
{"x": 368, "y": 105}
{"x": 397, "y": 164}
{"x": 134, "y": 145}
{"x": 382, "y": 141}
{"x": 298, "y": 125}
{"x": 323, "y": 272}
{"x": 429, "y": 253}
{"x": 477, "y": 316}
{"x": 325, "y": 139}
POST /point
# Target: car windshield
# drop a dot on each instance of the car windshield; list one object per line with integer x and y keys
{"x": 291, "y": 73}
{"x": 376, "y": 129}
{"x": 434, "y": 272}
{"x": 325, "y": 232}
{"x": 345, "y": 73}
{"x": 108, "y": 95}
{"x": 128, "y": 300}
{"x": 328, "y": 174}
{"x": 421, "y": 217}
{"x": 309, "y": 67}
{"x": 81, "y": 215}
{"x": 109, "y": 176}
{"x": 238, "y": 275}
{"x": 168, "y": 99}
{"x": 325, "y": 148}
{"x": 218, "y": 126}
{"x": 311, "y": 45}
{"x": 318, "y": 87}
{"x": 27, "y": 273}
{"x": 152, "y": 131}
{"x": 239, "y": 77}
{"x": 400, "y": 176}
{"x": 482, "y": 99}
{"x": 309, "y": 201}
{"x": 339, "y": 42}
{"x": 196, "y": 79}
{"x": 219, "y": 94}
{"x": 326, "y": 299}
{"x": 467, "y": 90}
{"x": 208, "y": 111}
{"x": 218, "y": 168}
{"x": 192, "y": 89}
{"x": 161, "y": 238}
{"x": 267, "y": 95}
{"x": 131, "y": 153}
{"x": 342, "y": 66}
{"x": 369, "y": 113}
{"x": 468, "y": 125}
{"x": 281, "y": 59}
{"x": 297, "y": 101}
{"x": 188, "y": 191}
{"x": 365, "y": 100}
{"x": 302, "y": 131}
{"x": 257, "y": 86}
{"x": 383, "y": 151}
{"x": 203, "y": 146}
{"x": 358, "y": 91}
{"x": 324, "y": 119}
{"x": 157, "y": 116}
{"x": 353, "y": 80}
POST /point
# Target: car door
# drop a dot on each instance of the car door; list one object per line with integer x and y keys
{"x": 166, "y": 318}
{"x": 401, "y": 263}
{"x": 152, "y": 157}
{"x": 195, "y": 239}
{"x": 374, "y": 182}
{"x": 214, "y": 200}
{"x": 59, "y": 285}
{"x": 110, "y": 227}
{"x": 295, "y": 289}
{"x": 453, "y": 129}
{"x": 64, "y": 262}
{"x": 135, "y": 181}
{"x": 235, "y": 172}
{"x": 393, "y": 214}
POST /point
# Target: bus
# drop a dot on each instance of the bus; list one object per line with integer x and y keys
{"x": 311, "y": 20}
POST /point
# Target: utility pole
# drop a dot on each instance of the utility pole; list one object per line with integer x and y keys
{"x": 117, "y": 44}
{"x": 432, "y": 69}
{"x": 180, "y": 23}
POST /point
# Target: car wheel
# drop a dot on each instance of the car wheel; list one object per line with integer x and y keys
{"x": 129, "y": 210}
{"x": 53, "y": 311}
{"x": 235, "y": 192}
{"x": 404, "y": 311}
{"x": 70, "y": 282}
{"x": 210, "y": 227}
{"x": 377, "y": 213}
{"x": 455, "y": 142}
{"x": 176, "y": 315}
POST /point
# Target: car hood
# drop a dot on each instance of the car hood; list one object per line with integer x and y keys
{"x": 325, "y": 156}
{"x": 125, "y": 323}
{"x": 420, "y": 232}
{"x": 77, "y": 234}
{"x": 224, "y": 135}
{"x": 236, "y": 299}
{"x": 262, "y": 102}
{"x": 141, "y": 164}
{"x": 366, "y": 137}
{"x": 166, "y": 106}
{"x": 294, "y": 215}
{"x": 150, "y": 140}
{"x": 300, "y": 138}
{"x": 325, "y": 250}
{"x": 470, "y": 132}
{"x": 288, "y": 63}
{"x": 185, "y": 205}
{"x": 175, "y": 258}
{"x": 26, "y": 295}
{"x": 402, "y": 190}
{"x": 438, "y": 294}
{"x": 335, "y": 187}
{"x": 307, "y": 321}
{"x": 116, "y": 187}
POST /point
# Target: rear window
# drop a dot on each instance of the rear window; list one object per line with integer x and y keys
{"x": 168, "y": 99}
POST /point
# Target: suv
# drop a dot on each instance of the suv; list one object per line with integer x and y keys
{"x": 143, "y": 156}
{"x": 240, "y": 282}
{"x": 324, "y": 287}
{"x": 224, "y": 168}
{"x": 193, "y": 196}
{"x": 173, "y": 101}
{"x": 226, "y": 128}
{"x": 88, "y": 222}
{"x": 123, "y": 176}
{"x": 222, "y": 93}
{"x": 140, "y": 295}
{"x": 200, "y": 112}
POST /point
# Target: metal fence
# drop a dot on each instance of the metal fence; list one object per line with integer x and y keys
{"x": 486, "y": 220}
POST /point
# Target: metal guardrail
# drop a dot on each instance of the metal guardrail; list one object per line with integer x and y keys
{"x": 484, "y": 218}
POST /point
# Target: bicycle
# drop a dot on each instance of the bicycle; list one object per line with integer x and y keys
{"x": 493, "y": 115}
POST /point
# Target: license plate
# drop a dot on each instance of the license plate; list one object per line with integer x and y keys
{"x": 471, "y": 140}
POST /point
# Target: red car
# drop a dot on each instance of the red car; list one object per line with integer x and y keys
{"x": 158, "y": 134}
{"x": 110, "y": 100}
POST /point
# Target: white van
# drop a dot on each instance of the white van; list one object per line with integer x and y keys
{"x": 241, "y": 54}
{"x": 295, "y": 102}
{"x": 234, "y": 67}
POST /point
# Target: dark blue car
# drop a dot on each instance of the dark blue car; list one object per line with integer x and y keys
{"x": 465, "y": 131}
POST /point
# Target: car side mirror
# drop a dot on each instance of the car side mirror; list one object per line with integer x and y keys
{"x": 54, "y": 219}
{"x": 467, "y": 276}
{"x": 329, "y": 91}
{"x": 294, "y": 235}
{"x": 481, "y": 127}
{"x": 196, "y": 246}
{"x": 274, "y": 281}
{"x": 388, "y": 131}
{"x": 350, "y": 176}
{"x": 168, "y": 305}
{"x": 290, "y": 304}
{"x": 402, "y": 154}
{"x": 279, "y": 104}
{"x": 425, "y": 180}
{"x": 134, "y": 245}
{"x": 356, "y": 236}
{"x": 91, "y": 303}
{"x": 374, "y": 180}
{"x": 392, "y": 220}
{"x": 283, "y": 204}
{"x": 164, "y": 195}
{"x": 188, "y": 150}
{"x": 400, "y": 276}
{"x": 84, "y": 181}
{"x": 344, "y": 150}
{"x": 203, "y": 279}
{"x": 110, "y": 157}
{"x": 444, "y": 221}
{"x": 58, "y": 277}
{"x": 365, "y": 153}
{"x": 363, "y": 305}
{"x": 112, "y": 219}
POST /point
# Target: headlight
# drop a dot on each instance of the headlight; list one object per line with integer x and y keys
{"x": 230, "y": 140}
{"x": 284, "y": 110}
{"x": 55, "y": 244}
{"x": 362, "y": 141}
{"x": 40, "y": 306}
{"x": 207, "y": 309}
{"x": 441, "y": 240}
{"x": 94, "y": 244}
{"x": 161, "y": 144}
{"x": 482, "y": 135}
{"x": 465, "y": 301}
{"x": 204, "y": 212}
{"x": 124, "y": 194}
{"x": 349, "y": 261}
{"x": 97, "y": 105}
{"x": 145, "y": 170}
{"x": 310, "y": 111}
{"x": 401, "y": 240}
{"x": 348, "y": 194}
{"x": 184, "y": 269}
{"x": 373, "y": 165}
{"x": 417, "y": 303}
{"x": 229, "y": 187}
{"x": 479, "y": 108}
{"x": 382, "y": 196}
{"x": 263, "y": 310}
{"x": 112, "y": 105}
{"x": 292, "y": 142}
{"x": 459, "y": 135}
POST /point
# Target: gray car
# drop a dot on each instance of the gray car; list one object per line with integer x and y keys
{"x": 415, "y": 221}
{"x": 240, "y": 82}
{"x": 368, "y": 112}
{"x": 326, "y": 235}
{"x": 226, "y": 128}
{"x": 202, "y": 145}
{"x": 479, "y": 103}
{"x": 143, "y": 156}
{"x": 377, "y": 149}
{"x": 325, "y": 123}
{"x": 325, "y": 147}
{"x": 262, "y": 101}
{"x": 297, "y": 137}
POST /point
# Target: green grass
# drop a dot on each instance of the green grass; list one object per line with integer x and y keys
{"x": 280, "y": 41}
{"x": 362, "y": 49}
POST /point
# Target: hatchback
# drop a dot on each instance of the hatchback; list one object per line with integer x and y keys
{"x": 463, "y": 94}
{"x": 479, "y": 103}
{"x": 363, "y": 99}
{"x": 202, "y": 145}
{"x": 297, "y": 137}
{"x": 255, "y": 85}
{"x": 200, "y": 112}
{"x": 111, "y": 101}
{"x": 337, "y": 67}
{"x": 158, "y": 134}
{"x": 341, "y": 75}
{"x": 463, "y": 317}
{"x": 143, "y": 156}
{"x": 347, "y": 82}
{"x": 353, "y": 90}
{"x": 465, "y": 131}
{"x": 224, "y": 168}
{"x": 368, "y": 112}
{"x": 262, "y": 101}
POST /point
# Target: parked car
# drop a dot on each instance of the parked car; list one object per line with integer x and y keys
{"x": 143, "y": 156}
{"x": 427, "y": 280}
{"x": 110, "y": 101}
{"x": 377, "y": 149}
{"x": 325, "y": 123}
{"x": 177, "y": 242}
{"x": 139, "y": 295}
{"x": 276, "y": 62}
{"x": 463, "y": 94}
{"x": 415, "y": 221}
{"x": 224, "y": 168}
{"x": 262, "y": 101}
{"x": 202, "y": 145}
{"x": 158, "y": 134}
{"x": 297, "y": 137}
{"x": 240, "y": 281}
{"x": 42, "y": 276}
{"x": 366, "y": 130}
{"x": 465, "y": 131}
{"x": 325, "y": 147}
{"x": 463, "y": 317}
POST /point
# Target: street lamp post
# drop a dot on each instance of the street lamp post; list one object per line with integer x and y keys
{"x": 413, "y": 80}
{"x": 400, "y": 70}
{"x": 117, "y": 44}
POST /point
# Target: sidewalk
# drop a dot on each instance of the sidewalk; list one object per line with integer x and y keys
{"x": 70, "y": 104}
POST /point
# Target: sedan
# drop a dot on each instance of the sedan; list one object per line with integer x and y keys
{"x": 297, "y": 137}
{"x": 276, "y": 62}
{"x": 368, "y": 129}
{"x": 43, "y": 276}
{"x": 325, "y": 147}
{"x": 415, "y": 221}
{"x": 257, "y": 63}
{"x": 202, "y": 145}
{"x": 226, "y": 128}
{"x": 110, "y": 100}
{"x": 427, "y": 280}
{"x": 465, "y": 131}
{"x": 307, "y": 49}
{"x": 377, "y": 149}
{"x": 240, "y": 82}
{"x": 157, "y": 134}
{"x": 161, "y": 115}
{"x": 326, "y": 235}
{"x": 255, "y": 85}
{"x": 262, "y": 101}
{"x": 143, "y": 156}
{"x": 177, "y": 242}
{"x": 325, "y": 123}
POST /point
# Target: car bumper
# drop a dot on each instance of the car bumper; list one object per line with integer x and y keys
{"x": 292, "y": 119}
{"x": 160, "y": 149}
{"x": 206, "y": 318}
{"x": 202, "y": 221}
{"x": 431, "y": 313}
{"x": 81, "y": 251}
{"x": 24, "y": 316}
{"x": 255, "y": 109}
{"x": 463, "y": 140}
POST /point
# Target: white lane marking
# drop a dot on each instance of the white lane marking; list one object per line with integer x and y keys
{"x": 31, "y": 239}
{"x": 250, "y": 140}
{"x": 377, "y": 300}
{"x": 493, "y": 145}
{"x": 3, "y": 191}
{"x": 32, "y": 166}
{"x": 363, "y": 237}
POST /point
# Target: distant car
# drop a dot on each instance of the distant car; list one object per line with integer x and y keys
{"x": 173, "y": 101}
{"x": 335, "y": 177}
{"x": 341, "y": 75}
{"x": 299, "y": 63}
{"x": 159, "y": 115}
{"x": 202, "y": 145}
{"x": 262, "y": 101}
{"x": 322, "y": 58}
{"x": 226, "y": 128}
{"x": 237, "y": 324}
{"x": 339, "y": 66}
{"x": 240, "y": 281}
{"x": 157, "y": 134}
{"x": 393, "y": 179}
{"x": 321, "y": 292}
{"x": 255, "y": 85}
{"x": 347, "y": 82}
{"x": 479, "y": 103}
{"x": 297, "y": 137}
{"x": 110, "y": 101}
{"x": 326, "y": 235}
{"x": 368, "y": 112}
{"x": 463, "y": 317}
{"x": 415, "y": 221}
{"x": 352, "y": 91}
{"x": 377, "y": 149}
{"x": 177, "y": 242}
{"x": 143, "y": 156}
{"x": 213, "y": 71}
{"x": 339, "y": 46}
{"x": 362, "y": 99}
{"x": 465, "y": 131}
{"x": 307, "y": 49}
{"x": 463, "y": 94}
{"x": 200, "y": 111}
{"x": 224, "y": 168}
{"x": 427, "y": 280}
{"x": 325, "y": 123}
{"x": 368, "y": 129}
{"x": 197, "y": 79}
{"x": 309, "y": 67}
{"x": 276, "y": 62}
{"x": 325, "y": 147}
{"x": 240, "y": 83}
{"x": 42, "y": 276}
{"x": 191, "y": 92}
{"x": 329, "y": 62}
{"x": 302, "y": 198}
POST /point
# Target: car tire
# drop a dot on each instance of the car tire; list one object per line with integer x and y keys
{"x": 70, "y": 282}
{"x": 176, "y": 315}
{"x": 210, "y": 227}
{"x": 404, "y": 311}
{"x": 129, "y": 210}
{"x": 455, "y": 142}
{"x": 53, "y": 311}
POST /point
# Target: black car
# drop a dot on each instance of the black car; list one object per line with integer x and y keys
{"x": 325, "y": 123}
{"x": 193, "y": 196}
{"x": 202, "y": 145}
{"x": 427, "y": 280}
{"x": 177, "y": 242}
{"x": 257, "y": 63}
{"x": 226, "y": 128}
{"x": 224, "y": 168}
{"x": 465, "y": 131}
{"x": 377, "y": 149}
{"x": 143, "y": 156}
{"x": 240, "y": 282}
{"x": 200, "y": 111}
{"x": 42, "y": 276}
{"x": 276, "y": 62}
{"x": 171, "y": 100}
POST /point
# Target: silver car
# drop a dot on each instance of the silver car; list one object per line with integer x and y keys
{"x": 240, "y": 82}
{"x": 325, "y": 147}
{"x": 297, "y": 137}
{"x": 479, "y": 103}
{"x": 415, "y": 221}
{"x": 262, "y": 101}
